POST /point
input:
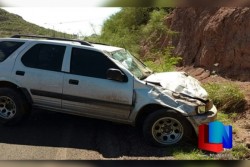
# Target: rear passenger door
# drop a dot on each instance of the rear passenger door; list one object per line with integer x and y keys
{"x": 87, "y": 91}
{"x": 38, "y": 69}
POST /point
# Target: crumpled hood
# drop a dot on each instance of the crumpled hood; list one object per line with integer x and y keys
{"x": 179, "y": 82}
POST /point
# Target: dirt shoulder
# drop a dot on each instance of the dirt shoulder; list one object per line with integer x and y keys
{"x": 242, "y": 121}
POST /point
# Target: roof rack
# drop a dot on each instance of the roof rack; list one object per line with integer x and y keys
{"x": 52, "y": 38}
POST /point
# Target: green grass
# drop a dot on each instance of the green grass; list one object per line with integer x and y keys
{"x": 240, "y": 151}
{"x": 226, "y": 96}
{"x": 193, "y": 155}
{"x": 225, "y": 118}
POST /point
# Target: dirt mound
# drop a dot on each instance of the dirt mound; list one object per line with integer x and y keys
{"x": 216, "y": 39}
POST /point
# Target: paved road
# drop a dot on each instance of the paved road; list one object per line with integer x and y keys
{"x": 49, "y": 135}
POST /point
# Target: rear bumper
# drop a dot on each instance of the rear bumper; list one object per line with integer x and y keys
{"x": 197, "y": 120}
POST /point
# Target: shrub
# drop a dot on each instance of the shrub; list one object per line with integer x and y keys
{"x": 226, "y": 96}
{"x": 159, "y": 56}
{"x": 165, "y": 62}
{"x": 132, "y": 27}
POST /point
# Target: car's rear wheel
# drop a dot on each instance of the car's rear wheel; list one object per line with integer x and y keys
{"x": 13, "y": 106}
{"x": 165, "y": 127}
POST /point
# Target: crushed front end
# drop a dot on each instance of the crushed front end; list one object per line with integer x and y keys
{"x": 190, "y": 98}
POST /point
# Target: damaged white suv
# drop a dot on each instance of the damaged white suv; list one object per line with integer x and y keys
{"x": 99, "y": 81}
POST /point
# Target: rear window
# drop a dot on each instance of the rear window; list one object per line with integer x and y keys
{"x": 7, "y": 48}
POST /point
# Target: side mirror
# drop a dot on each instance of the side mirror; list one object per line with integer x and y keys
{"x": 116, "y": 75}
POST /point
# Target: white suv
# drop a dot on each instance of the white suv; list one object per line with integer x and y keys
{"x": 98, "y": 81}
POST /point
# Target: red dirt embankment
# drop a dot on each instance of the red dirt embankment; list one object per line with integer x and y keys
{"x": 216, "y": 39}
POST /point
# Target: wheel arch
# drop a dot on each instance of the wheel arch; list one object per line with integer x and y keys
{"x": 21, "y": 90}
{"x": 146, "y": 110}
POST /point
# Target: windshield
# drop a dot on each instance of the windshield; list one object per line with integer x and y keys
{"x": 131, "y": 63}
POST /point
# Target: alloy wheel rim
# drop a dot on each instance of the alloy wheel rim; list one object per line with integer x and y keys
{"x": 7, "y": 107}
{"x": 167, "y": 131}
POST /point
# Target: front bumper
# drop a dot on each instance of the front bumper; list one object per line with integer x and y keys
{"x": 197, "y": 120}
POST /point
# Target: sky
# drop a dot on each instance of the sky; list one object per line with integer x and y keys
{"x": 54, "y": 3}
{"x": 83, "y": 21}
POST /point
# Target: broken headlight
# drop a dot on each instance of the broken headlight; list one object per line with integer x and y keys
{"x": 201, "y": 109}
{"x": 205, "y": 108}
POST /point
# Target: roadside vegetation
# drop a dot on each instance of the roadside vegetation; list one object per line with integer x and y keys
{"x": 230, "y": 101}
{"x": 139, "y": 3}
{"x": 238, "y": 152}
{"x": 226, "y": 96}
{"x": 11, "y": 24}
{"x": 144, "y": 33}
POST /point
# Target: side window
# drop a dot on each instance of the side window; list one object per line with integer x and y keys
{"x": 90, "y": 63}
{"x": 7, "y": 48}
{"x": 44, "y": 56}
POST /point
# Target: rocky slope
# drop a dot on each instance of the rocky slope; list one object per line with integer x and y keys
{"x": 217, "y": 39}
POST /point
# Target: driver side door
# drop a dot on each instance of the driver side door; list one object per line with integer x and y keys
{"x": 87, "y": 91}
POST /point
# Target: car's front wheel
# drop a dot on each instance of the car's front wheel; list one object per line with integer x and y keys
{"x": 13, "y": 106}
{"x": 165, "y": 127}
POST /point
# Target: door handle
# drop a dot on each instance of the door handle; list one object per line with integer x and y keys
{"x": 21, "y": 73}
{"x": 73, "y": 82}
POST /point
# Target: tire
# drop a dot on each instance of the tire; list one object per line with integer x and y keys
{"x": 165, "y": 127}
{"x": 13, "y": 107}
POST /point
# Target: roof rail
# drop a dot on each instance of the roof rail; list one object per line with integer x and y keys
{"x": 99, "y": 43}
{"x": 52, "y": 38}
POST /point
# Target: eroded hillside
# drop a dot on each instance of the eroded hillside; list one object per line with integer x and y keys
{"x": 217, "y": 39}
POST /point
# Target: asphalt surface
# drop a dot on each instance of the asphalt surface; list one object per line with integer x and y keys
{"x": 54, "y": 136}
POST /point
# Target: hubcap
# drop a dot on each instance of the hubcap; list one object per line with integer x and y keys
{"x": 7, "y": 107}
{"x": 167, "y": 131}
